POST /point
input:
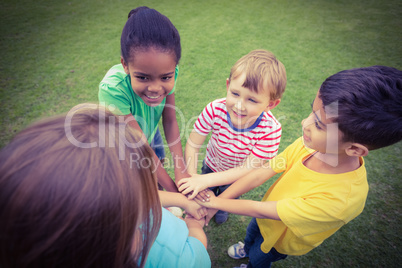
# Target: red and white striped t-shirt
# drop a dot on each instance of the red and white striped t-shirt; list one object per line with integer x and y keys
{"x": 229, "y": 147}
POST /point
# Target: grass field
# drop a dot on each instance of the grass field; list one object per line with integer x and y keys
{"x": 54, "y": 54}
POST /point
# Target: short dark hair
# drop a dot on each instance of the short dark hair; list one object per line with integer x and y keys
{"x": 146, "y": 28}
{"x": 368, "y": 103}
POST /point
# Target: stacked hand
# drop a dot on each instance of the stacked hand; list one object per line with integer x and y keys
{"x": 190, "y": 218}
{"x": 206, "y": 198}
{"x": 194, "y": 188}
{"x": 191, "y": 186}
{"x": 195, "y": 210}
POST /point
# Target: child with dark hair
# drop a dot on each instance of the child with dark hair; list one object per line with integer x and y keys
{"x": 71, "y": 196}
{"x": 324, "y": 182}
{"x": 142, "y": 87}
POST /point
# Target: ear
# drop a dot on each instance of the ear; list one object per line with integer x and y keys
{"x": 227, "y": 84}
{"x": 357, "y": 149}
{"x": 125, "y": 66}
{"x": 272, "y": 104}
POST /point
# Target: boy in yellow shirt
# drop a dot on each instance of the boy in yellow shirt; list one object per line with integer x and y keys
{"x": 324, "y": 182}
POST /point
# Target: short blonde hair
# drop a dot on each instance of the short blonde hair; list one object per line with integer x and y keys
{"x": 263, "y": 70}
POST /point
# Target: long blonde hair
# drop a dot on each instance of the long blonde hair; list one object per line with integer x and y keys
{"x": 63, "y": 205}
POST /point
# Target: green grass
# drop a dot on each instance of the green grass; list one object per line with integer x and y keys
{"x": 54, "y": 53}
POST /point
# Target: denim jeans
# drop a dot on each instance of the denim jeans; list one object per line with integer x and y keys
{"x": 252, "y": 246}
{"x": 216, "y": 189}
{"x": 157, "y": 145}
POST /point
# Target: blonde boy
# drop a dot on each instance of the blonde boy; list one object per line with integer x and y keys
{"x": 245, "y": 133}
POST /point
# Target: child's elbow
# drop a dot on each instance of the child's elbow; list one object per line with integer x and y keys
{"x": 269, "y": 210}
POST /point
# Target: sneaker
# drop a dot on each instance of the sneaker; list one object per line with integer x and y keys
{"x": 236, "y": 251}
{"x": 241, "y": 266}
{"x": 221, "y": 217}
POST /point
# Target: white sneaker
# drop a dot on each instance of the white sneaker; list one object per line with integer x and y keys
{"x": 242, "y": 266}
{"x": 236, "y": 251}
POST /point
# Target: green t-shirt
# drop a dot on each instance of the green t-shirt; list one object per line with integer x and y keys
{"x": 116, "y": 93}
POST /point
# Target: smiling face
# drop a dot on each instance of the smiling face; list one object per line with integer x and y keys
{"x": 320, "y": 133}
{"x": 152, "y": 74}
{"x": 245, "y": 106}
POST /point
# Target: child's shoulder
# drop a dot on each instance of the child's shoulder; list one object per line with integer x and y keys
{"x": 117, "y": 69}
{"x": 298, "y": 146}
{"x": 115, "y": 75}
{"x": 268, "y": 119}
{"x": 293, "y": 153}
{"x": 218, "y": 104}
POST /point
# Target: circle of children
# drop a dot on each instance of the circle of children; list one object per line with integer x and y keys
{"x": 96, "y": 209}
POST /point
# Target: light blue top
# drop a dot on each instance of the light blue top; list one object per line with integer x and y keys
{"x": 174, "y": 248}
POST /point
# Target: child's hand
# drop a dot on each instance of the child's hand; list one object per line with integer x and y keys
{"x": 195, "y": 210}
{"x": 195, "y": 184}
{"x": 195, "y": 229}
{"x": 211, "y": 213}
{"x": 207, "y": 199}
{"x": 179, "y": 176}
{"x": 190, "y": 219}
{"x": 203, "y": 196}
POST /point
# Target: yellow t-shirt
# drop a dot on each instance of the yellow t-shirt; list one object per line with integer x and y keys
{"x": 312, "y": 206}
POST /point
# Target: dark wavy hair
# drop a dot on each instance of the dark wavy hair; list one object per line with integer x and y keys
{"x": 146, "y": 28}
{"x": 63, "y": 205}
{"x": 368, "y": 104}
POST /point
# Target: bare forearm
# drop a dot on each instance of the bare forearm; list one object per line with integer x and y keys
{"x": 225, "y": 177}
{"x": 194, "y": 143}
{"x": 169, "y": 199}
{"x": 253, "y": 179}
{"x": 180, "y": 167}
{"x": 238, "y": 188}
{"x": 196, "y": 231}
{"x": 164, "y": 178}
{"x": 248, "y": 182}
{"x": 191, "y": 155}
{"x": 256, "y": 209}
{"x": 172, "y": 135}
{"x": 173, "y": 139}
{"x": 229, "y": 176}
